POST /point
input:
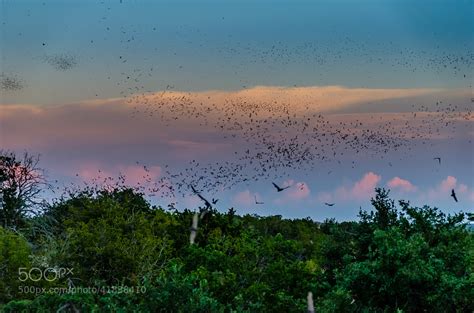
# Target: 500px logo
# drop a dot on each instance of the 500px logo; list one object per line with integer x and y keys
{"x": 48, "y": 274}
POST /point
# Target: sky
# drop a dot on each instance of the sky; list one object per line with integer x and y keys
{"x": 330, "y": 98}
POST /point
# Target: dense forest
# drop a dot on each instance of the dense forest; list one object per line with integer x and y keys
{"x": 109, "y": 250}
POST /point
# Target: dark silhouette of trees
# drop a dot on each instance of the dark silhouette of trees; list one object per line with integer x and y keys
{"x": 21, "y": 182}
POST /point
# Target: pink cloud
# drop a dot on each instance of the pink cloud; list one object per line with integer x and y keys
{"x": 448, "y": 184}
{"x": 462, "y": 188}
{"x": 443, "y": 190}
{"x": 362, "y": 189}
{"x": 146, "y": 179}
{"x": 401, "y": 184}
{"x": 136, "y": 174}
{"x": 244, "y": 198}
{"x": 297, "y": 191}
{"x": 89, "y": 122}
{"x": 132, "y": 174}
{"x": 300, "y": 191}
{"x": 465, "y": 192}
{"x": 90, "y": 171}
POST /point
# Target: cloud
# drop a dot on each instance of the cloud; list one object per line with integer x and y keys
{"x": 111, "y": 132}
{"x": 143, "y": 178}
{"x": 462, "y": 188}
{"x": 321, "y": 98}
{"x": 132, "y": 174}
{"x": 362, "y": 189}
{"x": 164, "y": 118}
{"x": 401, "y": 184}
{"x": 300, "y": 191}
{"x": 244, "y": 198}
{"x": 447, "y": 184}
{"x": 443, "y": 190}
{"x": 297, "y": 192}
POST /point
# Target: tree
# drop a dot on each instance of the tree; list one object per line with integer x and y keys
{"x": 111, "y": 237}
{"x": 14, "y": 252}
{"x": 21, "y": 182}
{"x": 412, "y": 259}
{"x": 396, "y": 258}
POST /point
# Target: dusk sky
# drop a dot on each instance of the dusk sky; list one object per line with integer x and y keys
{"x": 331, "y": 98}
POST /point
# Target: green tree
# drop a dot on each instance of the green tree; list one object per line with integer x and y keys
{"x": 412, "y": 259}
{"x": 395, "y": 258}
{"x": 14, "y": 252}
{"x": 111, "y": 237}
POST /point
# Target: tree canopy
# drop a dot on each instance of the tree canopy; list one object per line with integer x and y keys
{"x": 396, "y": 257}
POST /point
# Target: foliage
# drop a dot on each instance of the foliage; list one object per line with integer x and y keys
{"x": 413, "y": 259}
{"x": 111, "y": 238}
{"x": 395, "y": 258}
{"x": 14, "y": 252}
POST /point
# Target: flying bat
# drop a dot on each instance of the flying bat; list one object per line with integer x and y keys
{"x": 278, "y": 188}
{"x": 453, "y": 194}
{"x": 256, "y": 202}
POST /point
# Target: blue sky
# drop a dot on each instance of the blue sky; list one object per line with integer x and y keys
{"x": 217, "y": 43}
{"x": 124, "y": 50}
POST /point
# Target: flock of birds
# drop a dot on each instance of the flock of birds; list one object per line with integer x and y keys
{"x": 278, "y": 139}
{"x": 284, "y": 143}
{"x": 10, "y": 82}
{"x": 61, "y": 61}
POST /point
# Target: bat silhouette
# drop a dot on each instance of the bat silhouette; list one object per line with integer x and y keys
{"x": 453, "y": 194}
{"x": 256, "y": 202}
{"x": 278, "y": 188}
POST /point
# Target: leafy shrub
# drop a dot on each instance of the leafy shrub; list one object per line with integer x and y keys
{"x": 14, "y": 254}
